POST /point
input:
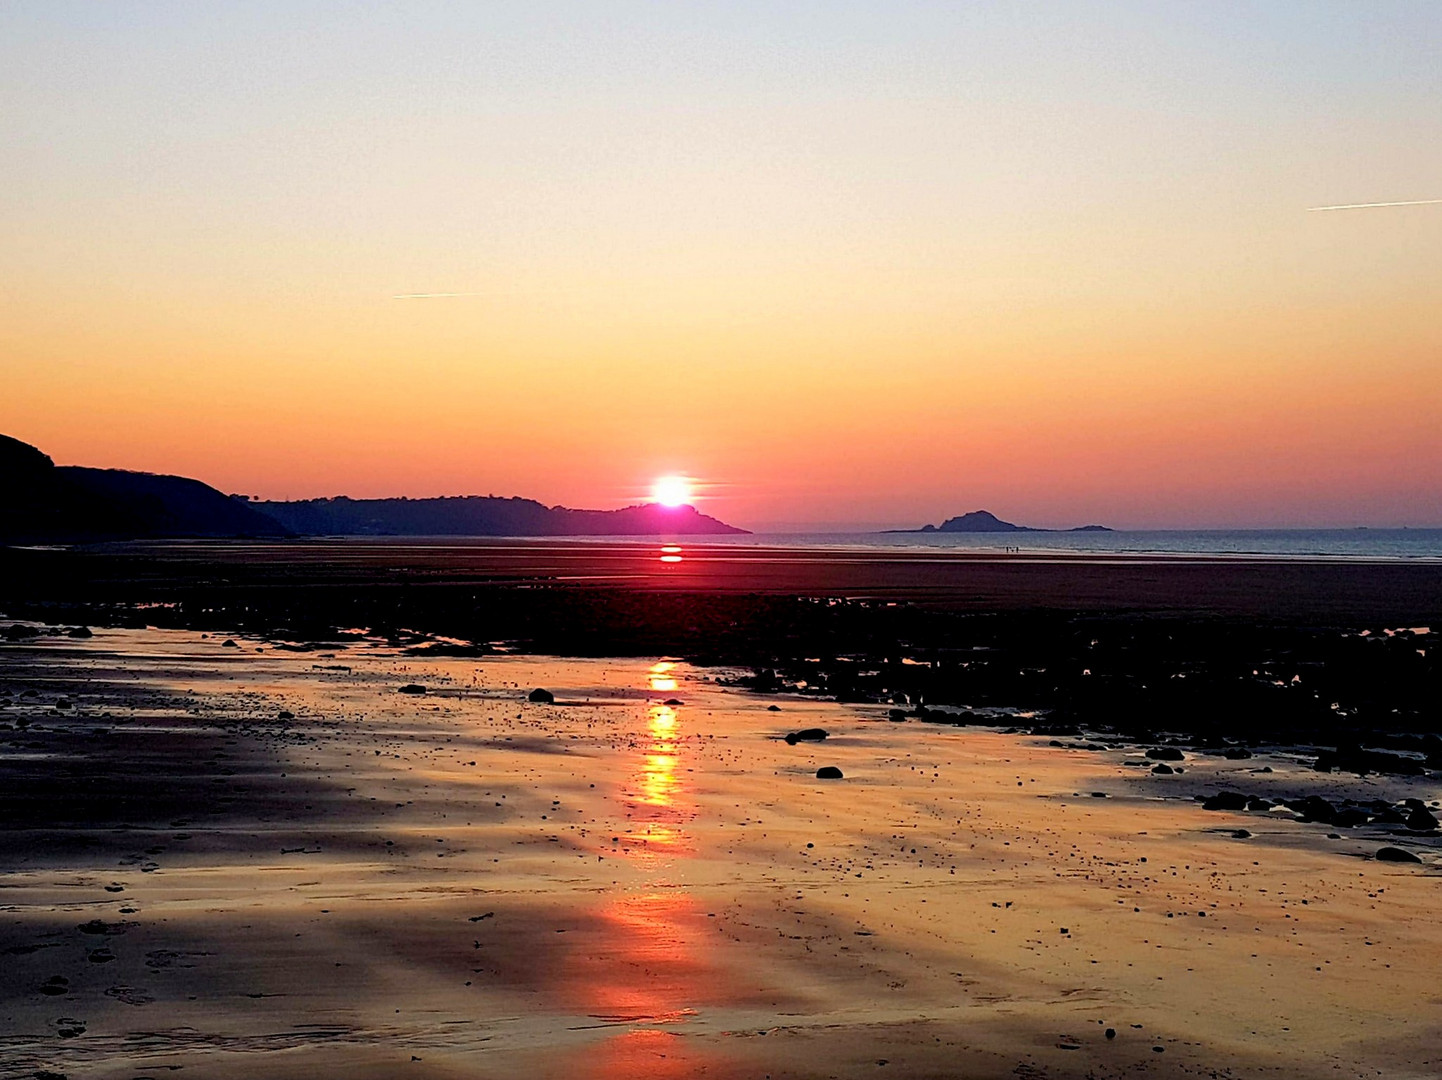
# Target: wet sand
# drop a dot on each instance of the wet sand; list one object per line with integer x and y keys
{"x": 466, "y": 884}
{"x": 221, "y": 574}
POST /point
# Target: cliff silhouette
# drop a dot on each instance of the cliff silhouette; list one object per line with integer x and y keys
{"x": 484, "y": 515}
{"x": 41, "y": 502}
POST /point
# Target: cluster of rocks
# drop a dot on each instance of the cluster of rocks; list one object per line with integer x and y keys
{"x": 1411, "y": 813}
{"x": 1354, "y": 759}
{"x": 22, "y": 632}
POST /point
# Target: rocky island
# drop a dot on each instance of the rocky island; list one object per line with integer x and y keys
{"x": 984, "y": 521}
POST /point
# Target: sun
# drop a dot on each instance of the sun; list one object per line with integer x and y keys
{"x": 672, "y": 491}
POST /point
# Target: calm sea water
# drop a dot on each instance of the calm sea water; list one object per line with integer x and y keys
{"x": 1281, "y": 543}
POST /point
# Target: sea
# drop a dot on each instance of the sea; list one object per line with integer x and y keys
{"x": 1358, "y": 543}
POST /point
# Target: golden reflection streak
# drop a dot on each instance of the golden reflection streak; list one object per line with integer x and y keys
{"x": 660, "y": 678}
{"x": 653, "y": 797}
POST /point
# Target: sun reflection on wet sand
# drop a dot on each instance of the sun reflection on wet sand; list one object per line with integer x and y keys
{"x": 644, "y": 1052}
{"x": 650, "y": 970}
{"x": 654, "y": 966}
{"x": 660, "y": 677}
{"x": 653, "y": 796}
{"x": 670, "y": 554}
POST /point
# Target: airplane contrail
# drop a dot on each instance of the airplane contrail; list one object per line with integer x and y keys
{"x": 435, "y": 295}
{"x": 1372, "y": 205}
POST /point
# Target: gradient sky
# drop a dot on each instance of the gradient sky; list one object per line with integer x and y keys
{"x": 845, "y": 263}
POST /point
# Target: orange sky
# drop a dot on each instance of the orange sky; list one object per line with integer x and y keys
{"x": 853, "y": 265}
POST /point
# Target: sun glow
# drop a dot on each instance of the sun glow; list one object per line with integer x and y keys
{"x": 672, "y": 491}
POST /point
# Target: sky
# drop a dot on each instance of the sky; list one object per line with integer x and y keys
{"x": 845, "y": 264}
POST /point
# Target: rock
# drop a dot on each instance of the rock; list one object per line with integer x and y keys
{"x": 773, "y": 708}
{"x": 229, "y": 643}
{"x": 896, "y": 716}
{"x": 80, "y": 632}
{"x": 1225, "y": 800}
{"x": 1315, "y": 808}
{"x": 811, "y": 734}
{"x": 673, "y": 701}
{"x": 1111, "y": 1033}
{"x": 411, "y": 688}
{"x": 1257, "y": 802}
{"x": 285, "y": 714}
{"x": 1352, "y": 758}
{"x": 1236, "y": 753}
{"x": 1396, "y": 854}
{"x": 1421, "y": 820}
{"x": 1241, "y": 834}
{"x": 541, "y": 697}
{"x": 828, "y": 772}
{"x": 95, "y": 926}
{"x": 1163, "y": 770}
{"x": 1166, "y": 753}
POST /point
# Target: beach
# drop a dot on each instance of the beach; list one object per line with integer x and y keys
{"x": 239, "y": 860}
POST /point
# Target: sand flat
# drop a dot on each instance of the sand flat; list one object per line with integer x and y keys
{"x": 462, "y": 883}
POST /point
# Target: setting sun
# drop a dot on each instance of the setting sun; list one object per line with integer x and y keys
{"x": 672, "y": 491}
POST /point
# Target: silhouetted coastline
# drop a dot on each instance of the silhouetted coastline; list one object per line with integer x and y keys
{"x": 41, "y": 502}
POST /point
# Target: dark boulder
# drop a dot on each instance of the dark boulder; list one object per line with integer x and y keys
{"x": 1396, "y": 854}
{"x": 1314, "y": 808}
{"x": 1162, "y": 770}
{"x": 541, "y": 697}
{"x": 1226, "y": 800}
{"x": 828, "y": 772}
{"x": 811, "y": 734}
{"x": 1165, "y": 753}
{"x": 1349, "y": 817}
{"x": 1421, "y": 820}
{"x": 1236, "y": 753}
{"x": 412, "y": 688}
